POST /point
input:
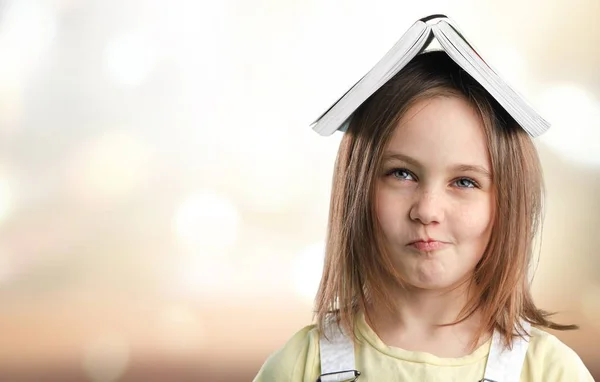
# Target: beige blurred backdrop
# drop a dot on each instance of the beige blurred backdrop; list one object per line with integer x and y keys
{"x": 163, "y": 200}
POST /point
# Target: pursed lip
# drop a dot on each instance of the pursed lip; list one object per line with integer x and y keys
{"x": 427, "y": 245}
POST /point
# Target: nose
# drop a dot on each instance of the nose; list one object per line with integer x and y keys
{"x": 427, "y": 208}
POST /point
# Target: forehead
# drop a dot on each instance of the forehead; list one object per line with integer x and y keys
{"x": 441, "y": 129}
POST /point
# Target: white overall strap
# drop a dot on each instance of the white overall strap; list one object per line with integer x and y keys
{"x": 503, "y": 364}
{"x": 337, "y": 355}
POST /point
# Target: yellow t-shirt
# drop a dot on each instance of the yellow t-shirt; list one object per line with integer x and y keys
{"x": 547, "y": 360}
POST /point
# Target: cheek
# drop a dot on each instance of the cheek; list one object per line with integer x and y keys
{"x": 388, "y": 208}
{"x": 475, "y": 220}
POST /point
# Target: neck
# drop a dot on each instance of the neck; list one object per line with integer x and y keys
{"x": 416, "y": 319}
{"x": 428, "y": 308}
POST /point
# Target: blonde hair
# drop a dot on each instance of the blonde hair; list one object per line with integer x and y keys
{"x": 357, "y": 271}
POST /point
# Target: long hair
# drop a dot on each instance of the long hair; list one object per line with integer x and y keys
{"x": 358, "y": 272}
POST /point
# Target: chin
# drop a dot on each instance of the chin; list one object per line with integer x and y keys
{"x": 434, "y": 282}
{"x": 442, "y": 284}
{"x": 432, "y": 285}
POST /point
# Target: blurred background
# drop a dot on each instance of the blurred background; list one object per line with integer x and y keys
{"x": 163, "y": 200}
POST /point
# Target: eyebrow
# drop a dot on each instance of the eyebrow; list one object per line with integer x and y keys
{"x": 389, "y": 156}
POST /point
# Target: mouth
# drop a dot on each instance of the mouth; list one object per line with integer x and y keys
{"x": 427, "y": 245}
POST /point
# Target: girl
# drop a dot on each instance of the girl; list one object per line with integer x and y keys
{"x": 436, "y": 200}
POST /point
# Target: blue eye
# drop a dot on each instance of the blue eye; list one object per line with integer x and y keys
{"x": 466, "y": 183}
{"x": 404, "y": 174}
{"x": 401, "y": 173}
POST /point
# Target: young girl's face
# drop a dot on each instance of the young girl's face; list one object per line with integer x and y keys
{"x": 434, "y": 197}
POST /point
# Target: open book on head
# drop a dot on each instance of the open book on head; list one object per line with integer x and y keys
{"x": 414, "y": 41}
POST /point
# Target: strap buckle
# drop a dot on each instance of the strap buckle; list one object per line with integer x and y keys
{"x": 352, "y": 379}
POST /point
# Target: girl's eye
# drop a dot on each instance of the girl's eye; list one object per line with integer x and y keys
{"x": 404, "y": 174}
{"x": 466, "y": 183}
{"x": 401, "y": 173}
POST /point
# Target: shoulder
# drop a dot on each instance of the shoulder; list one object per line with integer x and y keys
{"x": 296, "y": 361}
{"x": 549, "y": 359}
